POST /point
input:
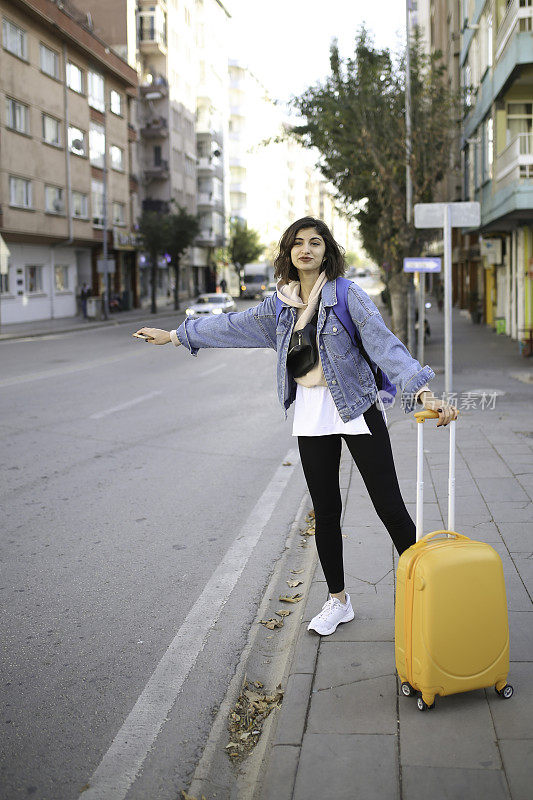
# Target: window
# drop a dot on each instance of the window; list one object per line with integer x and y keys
{"x": 77, "y": 141}
{"x": 34, "y": 279}
{"x": 4, "y": 282}
{"x": 19, "y": 192}
{"x": 97, "y": 190}
{"x": 14, "y": 39}
{"x": 117, "y": 157}
{"x": 17, "y": 115}
{"x": 96, "y": 91}
{"x": 96, "y": 144}
{"x": 488, "y": 149}
{"x": 61, "y": 278}
{"x": 79, "y": 205}
{"x": 74, "y": 78}
{"x": 51, "y": 130}
{"x": 116, "y": 102}
{"x": 519, "y": 119}
{"x": 49, "y": 61}
{"x": 53, "y": 200}
{"x": 190, "y": 166}
{"x": 118, "y": 214}
{"x": 157, "y": 155}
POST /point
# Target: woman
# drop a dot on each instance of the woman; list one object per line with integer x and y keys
{"x": 336, "y": 395}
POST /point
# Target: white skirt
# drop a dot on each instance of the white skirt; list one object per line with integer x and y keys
{"x": 315, "y": 414}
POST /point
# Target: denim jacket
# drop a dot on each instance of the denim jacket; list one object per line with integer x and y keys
{"x": 348, "y": 376}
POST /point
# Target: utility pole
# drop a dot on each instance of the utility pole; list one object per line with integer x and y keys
{"x": 106, "y": 272}
{"x": 408, "y": 184}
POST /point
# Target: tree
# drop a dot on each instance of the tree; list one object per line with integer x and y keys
{"x": 182, "y": 229}
{"x": 244, "y": 246}
{"x": 356, "y": 120}
{"x": 153, "y": 232}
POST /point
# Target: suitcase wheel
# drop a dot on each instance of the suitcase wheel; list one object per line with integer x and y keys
{"x": 407, "y": 689}
{"x": 506, "y": 692}
{"x": 423, "y": 706}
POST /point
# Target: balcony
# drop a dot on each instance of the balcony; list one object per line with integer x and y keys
{"x": 515, "y": 162}
{"x": 206, "y": 199}
{"x": 159, "y": 206}
{"x": 157, "y": 171}
{"x": 156, "y": 128}
{"x": 518, "y": 19}
{"x": 154, "y": 89}
{"x": 152, "y": 31}
{"x": 206, "y": 238}
{"x": 239, "y": 187}
{"x": 209, "y": 166}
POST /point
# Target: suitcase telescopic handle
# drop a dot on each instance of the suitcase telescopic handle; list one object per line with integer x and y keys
{"x": 420, "y": 417}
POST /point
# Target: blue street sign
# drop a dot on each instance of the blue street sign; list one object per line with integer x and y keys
{"x": 421, "y": 264}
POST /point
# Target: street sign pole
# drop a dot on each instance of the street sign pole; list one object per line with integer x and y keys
{"x": 448, "y": 378}
{"x": 421, "y": 315}
{"x": 447, "y": 216}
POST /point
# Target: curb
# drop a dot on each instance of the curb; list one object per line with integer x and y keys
{"x": 89, "y": 326}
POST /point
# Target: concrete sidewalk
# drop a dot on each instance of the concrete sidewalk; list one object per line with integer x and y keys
{"x": 50, "y": 327}
{"x": 344, "y": 730}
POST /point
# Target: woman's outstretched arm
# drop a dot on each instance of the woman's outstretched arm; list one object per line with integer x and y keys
{"x": 254, "y": 327}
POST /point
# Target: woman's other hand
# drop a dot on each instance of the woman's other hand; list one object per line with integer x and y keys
{"x": 446, "y": 412}
{"x": 155, "y": 335}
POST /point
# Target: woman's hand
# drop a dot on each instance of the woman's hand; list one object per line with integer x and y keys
{"x": 446, "y": 412}
{"x": 155, "y": 335}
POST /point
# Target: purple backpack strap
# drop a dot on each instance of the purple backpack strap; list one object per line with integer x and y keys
{"x": 342, "y": 313}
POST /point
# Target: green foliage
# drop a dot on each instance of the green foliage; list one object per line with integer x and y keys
{"x": 181, "y": 231}
{"x": 244, "y": 246}
{"x": 356, "y": 119}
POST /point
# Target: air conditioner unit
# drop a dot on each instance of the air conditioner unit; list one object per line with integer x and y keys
{"x": 58, "y": 206}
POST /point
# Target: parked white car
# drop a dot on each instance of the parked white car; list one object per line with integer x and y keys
{"x": 205, "y": 304}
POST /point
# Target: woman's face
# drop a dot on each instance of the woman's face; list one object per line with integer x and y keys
{"x": 308, "y": 250}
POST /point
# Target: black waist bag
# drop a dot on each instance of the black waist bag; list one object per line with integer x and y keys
{"x": 303, "y": 350}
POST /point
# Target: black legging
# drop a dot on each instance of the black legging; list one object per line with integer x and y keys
{"x": 320, "y": 457}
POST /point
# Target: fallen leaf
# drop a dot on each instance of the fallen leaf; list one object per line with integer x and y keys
{"x": 294, "y": 584}
{"x": 271, "y": 623}
{"x": 283, "y": 612}
{"x": 296, "y": 571}
{"x": 287, "y": 463}
{"x": 295, "y": 598}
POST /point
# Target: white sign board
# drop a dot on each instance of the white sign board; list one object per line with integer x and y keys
{"x": 421, "y": 264}
{"x": 491, "y": 249}
{"x": 101, "y": 268}
{"x": 461, "y": 215}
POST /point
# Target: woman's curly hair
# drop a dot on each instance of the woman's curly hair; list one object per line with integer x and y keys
{"x": 334, "y": 263}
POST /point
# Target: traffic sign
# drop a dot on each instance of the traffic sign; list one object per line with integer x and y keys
{"x": 421, "y": 264}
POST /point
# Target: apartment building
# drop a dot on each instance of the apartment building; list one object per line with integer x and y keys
{"x": 493, "y": 265}
{"x": 212, "y": 121}
{"x": 65, "y": 104}
{"x": 158, "y": 37}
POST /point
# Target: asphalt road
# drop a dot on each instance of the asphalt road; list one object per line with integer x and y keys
{"x": 133, "y": 482}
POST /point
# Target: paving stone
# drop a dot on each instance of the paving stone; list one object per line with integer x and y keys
{"x": 524, "y": 565}
{"x": 458, "y": 732}
{"x": 517, "y": 536}
{"x": 496, "y": 468}
{"x": 511, "y": 511}
{"x": 306, "y": 649}
{"x": 291, "y": 720}
{"x": 368, "y": 706}
{"x": 518, "y": 598}
{"x": 480, "y": 532}
{"x": 513, "y": 717}
{"x": 375, "y": 605}
{"x": 421, "y": 783}
{"x": 526, "y": 482}
{"x": 376, "y": 630}
{"x": 518, "y": 764}
{"x": 521, "y": 636}
{"x": 281, "y": 773}
{"x": 347, "y": 767}
{"x": 501, "y": 489}
{"x": 318, "y": 594}
{"x": 346, "y": 662}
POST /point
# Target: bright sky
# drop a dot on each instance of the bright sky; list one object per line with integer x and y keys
{"x": 286, "y": 42}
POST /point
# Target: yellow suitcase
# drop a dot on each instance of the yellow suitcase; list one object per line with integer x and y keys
{"x": 451, "y": 623}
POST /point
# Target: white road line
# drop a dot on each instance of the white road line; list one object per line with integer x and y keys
{"x": 54, "y": 373}
{"x": 123, "y": 406}
{"x": 213, "y": 369}
{"x": 120, "y": 765}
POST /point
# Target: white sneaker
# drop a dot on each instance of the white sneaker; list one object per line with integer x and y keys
{"x": 332, "y": 614}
